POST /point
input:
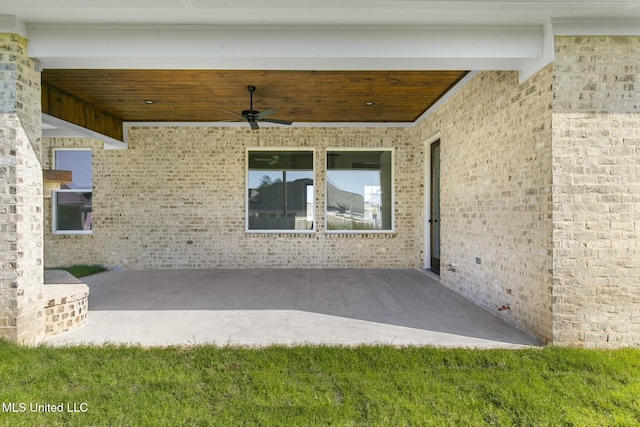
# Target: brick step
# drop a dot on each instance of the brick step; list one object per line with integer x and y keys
{"x": 65, "y": 302}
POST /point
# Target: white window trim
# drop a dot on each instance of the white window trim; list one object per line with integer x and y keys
{"x": 246, "y": 190}
{"x": 393, "y": 191}
{"x": 54, "y": 193}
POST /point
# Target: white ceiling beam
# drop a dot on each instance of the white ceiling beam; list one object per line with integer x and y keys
{"x": 290, "y": 48}
{"x": 597, "y": 27}
{"x": 13, "y": 25}
{"x": 548, "y": 53}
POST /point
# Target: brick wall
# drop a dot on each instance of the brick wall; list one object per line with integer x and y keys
{"x": 596, "y": 191}
{"x": 176, "y": 185}
{"x": 496, "y": 195}
{"x": 21, "y": 273}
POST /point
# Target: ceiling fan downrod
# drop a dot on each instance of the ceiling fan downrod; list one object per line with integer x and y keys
{"x": 251, "y": 89}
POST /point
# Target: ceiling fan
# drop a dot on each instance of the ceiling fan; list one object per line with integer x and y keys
{"x": 273, "y": 160}
{"x": 252, "y": 116}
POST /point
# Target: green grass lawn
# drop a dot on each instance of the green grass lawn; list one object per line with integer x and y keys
{"x": 319, "y": 386}
{"x": 81, "y": 270}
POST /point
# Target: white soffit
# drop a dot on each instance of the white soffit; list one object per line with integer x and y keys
{"x": 53, "y": 127}
{"x": 317, "y": 12}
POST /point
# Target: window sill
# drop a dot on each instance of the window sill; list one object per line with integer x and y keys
{"x": 359, "y": 232}
{"x": 259, "y": 232}
{"x": 72, "y": 233}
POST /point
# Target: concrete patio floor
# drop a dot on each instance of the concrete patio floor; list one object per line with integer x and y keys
{"x": 287, "y": 307}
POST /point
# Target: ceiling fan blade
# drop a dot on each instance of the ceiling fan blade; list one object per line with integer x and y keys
{"x": 281, "y": 122}
{"x": 265, "y": 113}
{"x": 254, "y": 125}
{"x": 230, "y": 112}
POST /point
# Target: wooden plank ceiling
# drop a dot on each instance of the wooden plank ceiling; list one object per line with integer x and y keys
{"x": 203, "y": 95}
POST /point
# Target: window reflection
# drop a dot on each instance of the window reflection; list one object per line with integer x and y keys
{"x": 72, "y": 204}
{"x": 280, "y": 190}
{"x": 73, "y": 210}
{"x": 359, "y": 191}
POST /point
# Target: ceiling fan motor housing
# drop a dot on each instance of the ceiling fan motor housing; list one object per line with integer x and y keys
{"x": 250, "y": 114}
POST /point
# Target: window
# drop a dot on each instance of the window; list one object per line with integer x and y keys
{"x": 72, "y": 203}
{"x": 280, "y": 191}
{"x": 359, "y": 192}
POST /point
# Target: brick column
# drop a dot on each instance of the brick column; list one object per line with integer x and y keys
{"x": 21, "y": 219}
{"x": 596, "y": 192}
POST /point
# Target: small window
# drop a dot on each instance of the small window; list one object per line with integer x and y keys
{"x": 359, "y": 191}
{"x": 280, "y": 191}
{"x": 72, "y": 204}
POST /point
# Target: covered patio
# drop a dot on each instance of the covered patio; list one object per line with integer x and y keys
{"x": 258, "y": 307}
{"x": 495, "y": 143}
